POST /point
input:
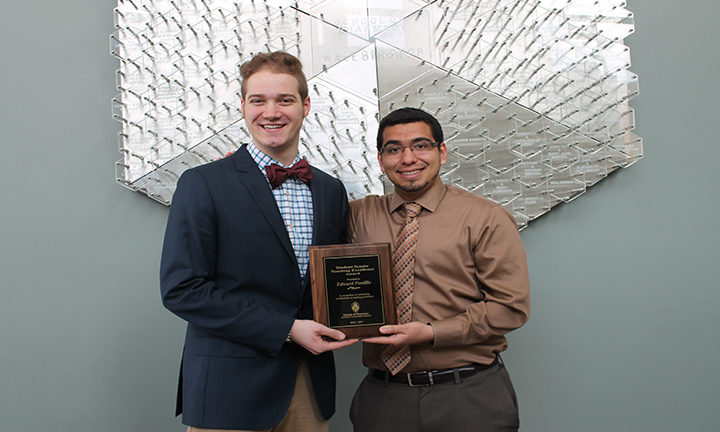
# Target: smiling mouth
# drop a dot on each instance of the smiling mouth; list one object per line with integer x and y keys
{"x": 272, "y": 127}
{"x": 409, "y": 173}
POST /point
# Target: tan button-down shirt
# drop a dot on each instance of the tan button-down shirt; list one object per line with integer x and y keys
{"x": 471, "y": 279}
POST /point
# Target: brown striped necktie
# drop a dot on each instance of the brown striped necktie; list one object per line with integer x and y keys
{"x": 397, "y": 357}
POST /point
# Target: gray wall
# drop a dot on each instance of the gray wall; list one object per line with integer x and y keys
{"x": 623, "y": 335}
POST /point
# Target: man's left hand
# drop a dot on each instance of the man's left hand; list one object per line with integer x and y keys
{"x": 312, "y": 336}
{"x": 403, "y": 334}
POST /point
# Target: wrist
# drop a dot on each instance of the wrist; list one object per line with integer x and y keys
{"x": 430, "y": 338}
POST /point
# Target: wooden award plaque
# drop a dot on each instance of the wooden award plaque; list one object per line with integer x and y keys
{"x": 352, "y": 287}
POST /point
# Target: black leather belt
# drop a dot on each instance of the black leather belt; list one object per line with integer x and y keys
{"x": 429, "y": 378}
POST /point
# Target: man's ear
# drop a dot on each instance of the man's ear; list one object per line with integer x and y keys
{"x": 306, "y": 106}
{"x": 379, "y": 156}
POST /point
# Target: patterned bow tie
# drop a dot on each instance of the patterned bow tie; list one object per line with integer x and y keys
{"x": 277, "y": 174}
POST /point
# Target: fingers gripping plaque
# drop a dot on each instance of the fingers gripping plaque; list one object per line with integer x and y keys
{"x": 533, "y": 95}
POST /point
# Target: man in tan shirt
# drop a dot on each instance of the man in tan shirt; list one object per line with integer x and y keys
{"x": 468, "y": 287}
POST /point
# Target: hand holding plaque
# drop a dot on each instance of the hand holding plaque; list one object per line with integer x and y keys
{"x": 352, "y": 287}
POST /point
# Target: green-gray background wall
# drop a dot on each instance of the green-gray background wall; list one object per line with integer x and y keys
{"x": 623, "y": 334}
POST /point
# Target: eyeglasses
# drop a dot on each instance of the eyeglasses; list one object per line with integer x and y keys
{"x": 418, "y": 148}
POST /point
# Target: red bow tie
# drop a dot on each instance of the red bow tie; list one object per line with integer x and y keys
{"x": 277, "y": 174}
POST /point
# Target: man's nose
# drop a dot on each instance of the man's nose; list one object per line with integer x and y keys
{"x": 408, "y": 156}
{"x": 271, "y": 110}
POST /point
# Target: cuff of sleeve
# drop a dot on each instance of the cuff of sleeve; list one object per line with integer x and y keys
{"x": 447, "y": 332}
{"x": 288, "y": 339}
{"x": 277, "y": 341}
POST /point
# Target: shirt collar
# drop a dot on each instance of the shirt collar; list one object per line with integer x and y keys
{"x": 430, "y": 200}
{"x": 262, "y": 160}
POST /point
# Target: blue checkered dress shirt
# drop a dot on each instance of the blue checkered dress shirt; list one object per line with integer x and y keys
{"x": 294, "y": 200}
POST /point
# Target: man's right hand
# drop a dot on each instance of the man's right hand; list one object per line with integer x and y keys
{"x": 310, "y": 335}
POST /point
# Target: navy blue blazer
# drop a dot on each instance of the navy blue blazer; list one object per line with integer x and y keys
{"x": 228, "y": 268}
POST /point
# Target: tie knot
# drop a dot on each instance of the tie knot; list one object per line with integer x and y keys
{"x": 277, "y": 174}
{"x": 412, "y": 209}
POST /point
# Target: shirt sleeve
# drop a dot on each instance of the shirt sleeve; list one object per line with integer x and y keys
{"x": 502, "y": 275}
{"x": 351, "y": 229}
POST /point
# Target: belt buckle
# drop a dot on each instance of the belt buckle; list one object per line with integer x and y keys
{"x": 430, "y": 380}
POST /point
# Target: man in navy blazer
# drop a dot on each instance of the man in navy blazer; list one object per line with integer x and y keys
{"x": 235, "y": 267}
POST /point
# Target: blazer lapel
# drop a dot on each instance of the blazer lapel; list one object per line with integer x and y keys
{"x": 258, "y": 188}
{"x": 319, "y": 205}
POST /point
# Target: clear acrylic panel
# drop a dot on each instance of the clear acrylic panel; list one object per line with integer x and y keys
{"x": 533, "y": 96}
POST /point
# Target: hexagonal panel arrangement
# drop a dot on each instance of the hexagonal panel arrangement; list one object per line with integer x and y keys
{"x": 532, "y": 94}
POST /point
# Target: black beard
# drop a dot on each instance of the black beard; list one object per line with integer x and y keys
{"x": 416, "y": 187}
{"x": 412, "y": 188}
